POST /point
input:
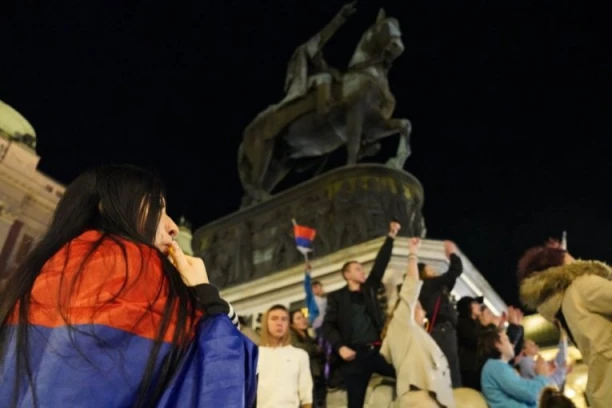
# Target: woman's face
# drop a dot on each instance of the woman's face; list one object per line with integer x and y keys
{"x": 487, "y": 317}
{"x": 166, "y": 231}
{"x": 419, "y": 314}
{"x": 476, "y": 310}
{"x": 299, "y": 321}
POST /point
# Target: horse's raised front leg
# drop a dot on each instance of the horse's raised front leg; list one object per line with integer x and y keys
{"x": 389, "y": 127}
{"x": 354, "y": 126}
{"x": 262, "y": 155}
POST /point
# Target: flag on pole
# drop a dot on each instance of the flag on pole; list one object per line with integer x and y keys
{"x": 303, "y": 238}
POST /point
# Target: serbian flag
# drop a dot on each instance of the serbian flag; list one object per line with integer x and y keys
{"x": 303, "y": 238}
{"x": 114, "y": 311}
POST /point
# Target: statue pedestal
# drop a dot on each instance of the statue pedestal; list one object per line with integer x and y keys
{"x": 347, "y": 206}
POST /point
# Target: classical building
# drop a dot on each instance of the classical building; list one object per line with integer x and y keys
{"x": 27, "y": 196}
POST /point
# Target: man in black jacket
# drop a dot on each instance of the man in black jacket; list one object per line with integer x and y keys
{"x": 441, "y": 314}
{"x": 354, "y": 320}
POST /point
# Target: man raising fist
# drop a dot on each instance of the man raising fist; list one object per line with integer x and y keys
{"x": 354, "y": 320}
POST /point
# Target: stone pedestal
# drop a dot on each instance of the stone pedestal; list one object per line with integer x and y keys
{"x": 347, "y": 206}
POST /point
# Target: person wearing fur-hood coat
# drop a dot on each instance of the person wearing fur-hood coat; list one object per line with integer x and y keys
{"x": 577, "y": 294}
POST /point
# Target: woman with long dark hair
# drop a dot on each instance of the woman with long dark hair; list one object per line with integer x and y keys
{"x": 301, "y": 339}
{"x": 100, "y": 315}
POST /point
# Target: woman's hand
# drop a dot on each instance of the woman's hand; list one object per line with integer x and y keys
{"x": 192, "y": 269}
{"x": 413, "y": 245}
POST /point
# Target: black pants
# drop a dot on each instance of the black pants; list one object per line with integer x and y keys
{"x": 445, "y": 336}
{"x": 319, "y": 392}
{"x": 357, "y": 374}
{"x": 471, "y": 379}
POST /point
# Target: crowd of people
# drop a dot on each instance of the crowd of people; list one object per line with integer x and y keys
{"x": 426, "y": 349}
{"x": 107, "y": 311}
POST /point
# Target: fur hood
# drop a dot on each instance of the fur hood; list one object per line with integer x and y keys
{"x": 541, "y": 286}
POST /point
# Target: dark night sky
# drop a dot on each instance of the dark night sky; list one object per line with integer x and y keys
{"x": 510, "y": 104}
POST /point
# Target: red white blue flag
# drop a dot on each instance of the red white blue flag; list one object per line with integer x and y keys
{"x": 303, "y": 238}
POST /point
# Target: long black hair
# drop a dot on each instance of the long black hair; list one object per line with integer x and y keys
{"x": 124, "y": 203}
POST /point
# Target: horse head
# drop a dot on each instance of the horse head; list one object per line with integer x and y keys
{"x": 381, "y": 43}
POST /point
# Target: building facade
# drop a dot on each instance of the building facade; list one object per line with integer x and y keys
{"x": 27, "y": 196}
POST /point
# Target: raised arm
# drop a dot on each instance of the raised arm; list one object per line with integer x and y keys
{"x": 455, "y": 269}
{"x": 311, "y": 304}
{"x": 338, "y": 21}
{"x": 410, "y": 287}
{"x": 560, "y": 372}
{"x": 384, "y": 256}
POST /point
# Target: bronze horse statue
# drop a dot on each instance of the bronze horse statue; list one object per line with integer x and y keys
{"x": 297, "y": 135}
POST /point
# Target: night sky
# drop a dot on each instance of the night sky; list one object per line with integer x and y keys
{"x": 510, "y": 104}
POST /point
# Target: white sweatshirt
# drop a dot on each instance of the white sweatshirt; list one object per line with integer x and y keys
{"x": 284, "y": 378}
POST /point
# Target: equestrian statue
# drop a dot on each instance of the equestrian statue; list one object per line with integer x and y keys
{"x": 325, "y": 109}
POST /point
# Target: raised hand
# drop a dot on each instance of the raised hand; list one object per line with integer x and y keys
{"x": 515, "y": 315}
{"x": 542, "y": 367}
{"x": 413, "y": 245}
{"x": 348, "y": 9}
{"x": 449, "y": 248}
{"x": 394, "y": 228}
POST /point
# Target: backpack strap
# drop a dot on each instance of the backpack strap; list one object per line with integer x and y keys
{"x": 435, "y": 314}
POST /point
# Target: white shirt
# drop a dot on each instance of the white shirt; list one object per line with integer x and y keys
{"x": 284, "y": 378}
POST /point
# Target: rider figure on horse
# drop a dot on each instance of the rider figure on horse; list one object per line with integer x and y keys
{"x": 307, "y": 66}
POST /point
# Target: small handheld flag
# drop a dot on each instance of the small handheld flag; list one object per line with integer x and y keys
{"x": 303, "y": 238}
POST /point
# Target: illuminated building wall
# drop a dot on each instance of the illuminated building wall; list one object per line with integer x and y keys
{"x": 27, "y": 196}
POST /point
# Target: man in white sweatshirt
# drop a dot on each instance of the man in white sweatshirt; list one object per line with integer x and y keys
{"x": 284, "y": 371}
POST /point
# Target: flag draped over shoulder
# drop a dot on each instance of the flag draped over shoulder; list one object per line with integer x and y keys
{"x": 303, "y": 238}
{"x": 99, "y": 361}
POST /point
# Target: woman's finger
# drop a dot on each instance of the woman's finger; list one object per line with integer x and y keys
{"x": 180, "y": 260}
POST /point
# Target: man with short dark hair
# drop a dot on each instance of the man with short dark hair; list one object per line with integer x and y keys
{"x": 354, "y": 320}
